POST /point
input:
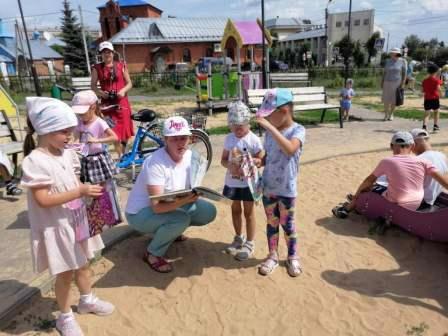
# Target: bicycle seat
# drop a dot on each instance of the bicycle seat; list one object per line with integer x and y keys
{"x": 144, "y": 115}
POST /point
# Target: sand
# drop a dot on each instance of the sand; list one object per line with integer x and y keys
{"x": 353, "y": 283}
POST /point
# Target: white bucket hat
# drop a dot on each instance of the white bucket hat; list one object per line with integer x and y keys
{"x": 395, "y": 51}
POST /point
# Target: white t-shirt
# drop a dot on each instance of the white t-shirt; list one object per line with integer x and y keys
{"x": 432, "y": 187}
{"x": 251, "y": 143}
{"x": 159, "y": 170}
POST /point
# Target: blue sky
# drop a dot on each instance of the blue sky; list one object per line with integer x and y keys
{"x": 398, "y": 17}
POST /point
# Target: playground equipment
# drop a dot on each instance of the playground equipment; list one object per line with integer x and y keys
{"x": 218, "y": 89}
{"x": 8, "y": 105}
{"x": 429, "y": 225}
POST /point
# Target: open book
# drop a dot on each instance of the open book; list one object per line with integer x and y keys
{"x": 201, "y": 191}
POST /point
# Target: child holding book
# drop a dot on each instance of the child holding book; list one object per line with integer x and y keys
{"x": 283, "y": 144}
{"x": 240, "y": 142}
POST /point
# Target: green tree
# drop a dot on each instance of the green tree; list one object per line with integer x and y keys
{"x": 346, "y": 48}
{"x": 370, "y": 46}
{"x": 358, "y": 55}
{"x": 72, "y": 36}
{"x": 413, "y": 43}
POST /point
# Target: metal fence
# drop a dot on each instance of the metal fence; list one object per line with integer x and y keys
{"x": 25, "y": 84}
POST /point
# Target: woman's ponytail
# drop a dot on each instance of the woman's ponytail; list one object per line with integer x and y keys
{"x": 29, "y": 144}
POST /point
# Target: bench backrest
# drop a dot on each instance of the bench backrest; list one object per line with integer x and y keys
{"x": 81, "y": 83}
{"x": 301, "y": 95}
{"x": 5, "y": 127}
{"x": 293, "y": 76}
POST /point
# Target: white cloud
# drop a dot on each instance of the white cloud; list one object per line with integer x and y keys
{"x": 366, "y": 5}
{"x": 435, "y": 6}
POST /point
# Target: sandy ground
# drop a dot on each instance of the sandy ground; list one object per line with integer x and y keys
{"x": 353, "y": 283}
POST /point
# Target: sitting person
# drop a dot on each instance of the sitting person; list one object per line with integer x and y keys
{"x": 166, "y": 170}
{"x": 6, "y": 172}
{"x": 423, "y": 149}
{"x": 405, "y": 174}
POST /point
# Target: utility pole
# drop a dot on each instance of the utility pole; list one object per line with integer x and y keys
{"x": 86, "y": 51}
{"x": 263, "y": 37}
{"x": 19, "y": 45}
{"x": 347, "y": 59}
{"x": 33, "y": 67}
{"x": 327, "y": 44}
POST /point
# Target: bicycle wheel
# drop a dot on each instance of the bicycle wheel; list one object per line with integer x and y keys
{"x": 200, "y": 142}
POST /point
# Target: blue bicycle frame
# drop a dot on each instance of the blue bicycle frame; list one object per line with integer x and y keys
{"x": 136, "y": 157}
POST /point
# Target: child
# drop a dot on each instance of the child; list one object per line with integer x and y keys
{"x": 283, "y": 145}
{"x": 6, "y": 173}
{"x": 242, "y": 140}
{"x": 431, "y": 89}
{"x": 96, "y": 165}
{"x": 56, "y": 209}
{"x": 346, "y": 95}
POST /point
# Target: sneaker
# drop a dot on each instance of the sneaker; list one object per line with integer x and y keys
{"x": 436, "y": 128}
{"x": 68, "y": 326}
{"x": 12, "y": 189}
{"x": 236, "y": 245}
{"x": 97, "y": 306}
{"x": 246, "y": 251}
{"x": 424, "y": 127}
{"x": 391, "y": 117}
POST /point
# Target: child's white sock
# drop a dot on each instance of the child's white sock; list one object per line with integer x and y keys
{"x": 67, "y": 315}
{"x": 87, "y": 298}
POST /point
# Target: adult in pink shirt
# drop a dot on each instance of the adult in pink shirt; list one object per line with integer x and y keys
{"x": 405, "y": 175}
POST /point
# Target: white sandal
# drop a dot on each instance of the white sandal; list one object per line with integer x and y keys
{"x": 293, "y": 267}
{"x": 268, "y": 266}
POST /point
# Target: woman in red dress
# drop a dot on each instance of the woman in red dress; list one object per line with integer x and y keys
{"x": 115, "y": 83}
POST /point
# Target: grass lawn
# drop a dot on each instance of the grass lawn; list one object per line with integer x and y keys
{"x": 162, "y": 91}
{"x": 305, "y": 118}
{"x": 401, "y": 112}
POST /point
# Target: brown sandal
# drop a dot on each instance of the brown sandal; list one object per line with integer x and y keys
{"x": 158, "y": 264}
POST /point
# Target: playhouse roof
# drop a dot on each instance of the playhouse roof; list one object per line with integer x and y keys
{"x": 245, "y": 33}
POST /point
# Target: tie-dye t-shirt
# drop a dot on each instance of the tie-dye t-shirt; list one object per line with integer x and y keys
{"x": 281, "y": 171}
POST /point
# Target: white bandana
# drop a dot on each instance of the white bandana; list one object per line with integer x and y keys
{"x": 49, "y": 115}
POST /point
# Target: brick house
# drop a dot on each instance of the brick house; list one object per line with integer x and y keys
{"x": 149, "y": 42}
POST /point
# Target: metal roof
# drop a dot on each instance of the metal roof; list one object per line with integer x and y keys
{"x": 290, "y": 23}
{"x": 165, "y": 30}
{"x": 304, "y": 35}
{"x": 38, "y": 47}
{"x": 131, "y": 3}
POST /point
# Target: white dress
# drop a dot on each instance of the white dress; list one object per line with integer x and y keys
{"x": 53, "y": 242}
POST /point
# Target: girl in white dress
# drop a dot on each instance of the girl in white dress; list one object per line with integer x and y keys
{"x": 57, "y": 213}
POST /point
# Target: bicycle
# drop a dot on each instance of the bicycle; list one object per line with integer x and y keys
{"x": 148, "y": 139}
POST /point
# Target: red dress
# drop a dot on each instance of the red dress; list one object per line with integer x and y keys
{"x": 122, "y": 116}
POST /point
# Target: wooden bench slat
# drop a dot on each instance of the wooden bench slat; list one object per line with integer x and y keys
{"x": 12, "y": 147}
{"x": 5, "y": 131}
{"x": 308, "y": 107}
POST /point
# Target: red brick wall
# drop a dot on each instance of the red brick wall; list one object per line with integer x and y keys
{"x": 112, "y": 12}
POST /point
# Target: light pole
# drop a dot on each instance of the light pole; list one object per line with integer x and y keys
{"x": 263, "y": 59}
{"x": 33, "y": 67}
{"x": 347, "y": 59}
{"x": 327, "y": 51}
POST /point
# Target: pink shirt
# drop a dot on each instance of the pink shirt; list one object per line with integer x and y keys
{"x": 96, "y": 129}
{"x": 406, "y": 175}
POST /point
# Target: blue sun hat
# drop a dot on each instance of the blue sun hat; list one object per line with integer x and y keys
{"x": 239, "y": 113}
{"x": 273, "y": 99}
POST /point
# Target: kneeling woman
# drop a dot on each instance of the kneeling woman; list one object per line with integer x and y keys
{"x": 167, "y": 170}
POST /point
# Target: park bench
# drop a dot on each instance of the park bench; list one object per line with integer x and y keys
{"x": 13, "y": 146}
{"x": 304, "y": 98}
{"x": 80, "y": 83}
{"x": 297, "y": 78}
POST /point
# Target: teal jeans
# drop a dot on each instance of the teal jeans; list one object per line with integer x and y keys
{"x": 168, "y": 226}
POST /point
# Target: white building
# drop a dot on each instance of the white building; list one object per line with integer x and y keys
{"x": 362, "y": 25}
